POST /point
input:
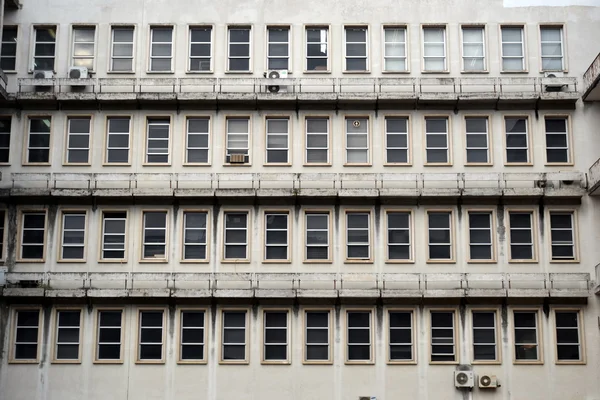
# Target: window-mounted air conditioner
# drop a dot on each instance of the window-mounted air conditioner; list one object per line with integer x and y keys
{"x": 464, "y": 379}
{"x": 277, "y": 74}
{"x": 237, "y": 159}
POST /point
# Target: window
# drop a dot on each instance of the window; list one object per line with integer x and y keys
{"x": 110, "y": 336}
{"x": 358, "y": 236}
{"x": 195, "y": 236}
{"x": 557, "y": 140}
{"x": 443, "y": 337}
{"x": 569, "y": 334}
{"x": 200, "y": 49}
{"x": 157, "y": 141}
{"x": 278, "y": 48}
{"x": 434, "y": 49}
{"x": 151, "y": 335}
{"x": 481, "y": 236}
{"x": 278, "y": 138}
{"x": 117, "y": 141}
{"x": 44, "y": 48}
{"x": 356, "y": 49}
{"x": 521, "y": 236}
{"x": 121, "y": 56}
{"x": 317, "y": 236}
{"x": 277, "y": 236}
{"x": 234, "y": 336}
{"x": 399, "y": 241}
{"x": 2, "y": 233}
{"x": 238, "y": 139}
{"x": 114, "y": 224}
{"x": 239, "y": 49}
{"x": 236, "y": 236}
{"x": 517, "y": 140}
{"x": 562, "y": 235}
{"x": 68, "y": 336}
{"x": 5, "y": 126}
{"x": 317, "y": 140}
{"x": 197, "y": 140}
{"x": 513, "y": 49}
{"x": 73, "y": 236}
{"x": 437, "y": 146}
{"x": 38, "y": 140}
{"x": 78, "y": 140}
{"x": 192, "y": 336}
{"x": 485, "y": 347}
{"x": 397, "y": 141}
{"x": 357, "y": 140}
{"x": 155, "y": 236}
{"x": 440, "y": 236}
{"x": 84, "y": 43}
{"x": 317, "y": 49}
{"x": 33, "y": 235}
{"x": 359, "y": 336}
{"x": 317, "y": 336}
{"x": 161, "y": 49}
{"x": 477, "y": 140}
{"x": 276, "y": 336}
{"x": 394, "y": 50}
{"x": 473, "y": 48}
{"x": 401, "y": 336}
{"x": 8, "y": 54}
{"x": 526, "y": 336}
{"x": 552, "y": 48}
{"x": 26, "y": 335}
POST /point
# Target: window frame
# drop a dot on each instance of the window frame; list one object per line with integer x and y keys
{"x": 370, "y": 230}
{"x": 97, "y": 327}
{"x": 164, "y": 327}
{"x": 179, "y": 337}
{"x": 330, "y": 246}
{"x": 443, "y": 26}
{"x": 414, "y": 335}
{"x": 14, "y": 310}
{"x": 72, "y": 56}
{"x": 452, "y": 259}
{"x": 367, "y": 57}
{"x": 90, "y": 147}
{"x": 539, "y": 335}
{"x": 32, "y": 36}
{"x": 109, "y": 67}
{"x": 306, "y": 27}
{"x": 529, "y": 132}
{"x": 497, "y": 334}
{"x": 105, "y": 150}
{"x": 568, "y": 135}
{"x": 409, "y": 140}
{"x": 249, "y": 227}
{"x": 449, "y": 140}
{"x": 523, "y": 27}
{"x": 209, "y": 149}
{"x": 150, "y": 38}
{"x": 289, "y": 44}
{"x": 18, "y": 40}
{"x": 411, "y": 231}
{"x": 147, "y": 139}
{"x": 27, "y": 126}
{"x": 221, "y": 330}
{"x": 490, "y": 139}
{"x": 71, "y": 211}
{"x": 534, "y": 234}
{"x": 250, "y": 149}
{"x": 329, "y": 141}
{"x": 372, "y": 335}
{"x": 330, "y": 334}
{"x": 4, "y": 236}
{"x": 580, "y": 330}
{"x": 181, "y": 246}
{"x": 563, "y": 28}
{"x": 407, "y": 42}
{"x": 288, "y": 312}
{"x": 485, "y": 45}
{"x": 290, "y": 140}
{"x": 20, "y": 221}
{"x": 574, "y": 229}
{"x": 189, "y": 28}
{"x": 125, "y": 259}
{"x": 56, "y": 327}
{"x": 455, "y": 331}
{"x": 11, "y": 138}
{"x": 143, "y": 212}
{"x": 290, "y": 244}
{"x": 493, "y": 233}
{"x": 250, "y": 28}
{"x": 369, "y": 134}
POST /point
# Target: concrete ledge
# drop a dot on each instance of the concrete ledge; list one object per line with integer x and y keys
{"x": 183, "y": 293}
{"x": 528, "y": 293}
{"x": 66, "y": 293}
{"x": 401, "y": 293}
{"x": 275, "y": 293}
{"x": 359, "y": 293}
{"x": 569, "y": 293}
{"x": 149, "y": 293}
{"x": 19, "y": 292}
{"x": 486, "y": 293}
{"x": 108, "y": 293}
{"x": 239, "y": 293}
{"x": 310, "y": 293}
{"x": 438, "y": 293}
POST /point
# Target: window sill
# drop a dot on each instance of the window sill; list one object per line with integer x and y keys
{"x": 120, "y": 72}
{"x": 317, "y": 165}
{"x": 239, "y": 72}
{"x": 522, "y": 261}
{"x": 235, "y": 261}
{"x": 78, "y": 261}
{"x": 241, "y": 362}
{"x": 515, "y": 362}
{"x": 77, "y": 164}
{"x": 437, "y": 164}
{"x": 278, "y": 165}
{"x": 482, "y": 261}
{"x": 196, "y": 165}
{"x": 317, "y": 262}
{"x": 407, "y": 362}
{"x": 559, "y": 164}
{"x": 350, "y": 261}
{"x": 317, "y": 72}
{"x": 237, "y": 165}
{"x": 479, "y": 164}
{"x": 518, "y": 164}
{"x": 36, "y": 261}
{"x": 358, "y": 165}
{"x": 565, "y": 261}
{"x": 108, "y": 361}
{"x": 365, "y": 362}
{"x": 23, "y": 361}
{"x": 276, "y": 261}
{"x": 356, "y": 72}
{"x": 192, "y": 362}
{"x": 114, "y": 261}
{"x": 484, "y": 72}
{"x": 435, "y": 72}
{"x": 149, "y": 361}
{"x": 514, "y": 72}
{"x": 194, "y": 261}
{"x": 116, "y": 164}
{"x": 284, "y": 362}
{"x": 441, "y": 261}
{"x": 146, "y": 164}
{"x": 160, "y": 72}
{"x": 399, "y": 261}
{"x": 153, "y": 261}
{"x": 395, "y": 72}
{"x": 36, "y": 164}
{"x": 397, "y": 164}
{"x": 65, "y": 362}
{"x": 491, "y": 362}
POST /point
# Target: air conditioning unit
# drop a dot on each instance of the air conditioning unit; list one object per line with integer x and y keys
{"x": 41, "y": 74}
{"x": 277, "y": 74}
{"x": 553, "y": 87}
{"x": 554, "y": 74}
{"x": 78, "y": 73}
{"x": 488, "y": 382}
{"x": 464, "y": 379}
{"x": 237, "y": 158}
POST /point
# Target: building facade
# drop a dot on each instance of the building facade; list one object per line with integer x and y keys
{"x": 301, "y": 200}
